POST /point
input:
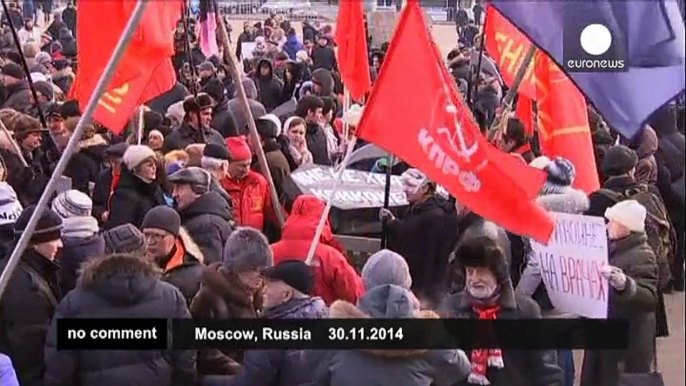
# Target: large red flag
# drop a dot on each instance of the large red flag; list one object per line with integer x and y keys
{"x": 145, "y": 69}
{"x": 352, "y": 53}
{"x": 563, "y": 129}
{"x": 508, "y": 46}
{"x": 525, "y": 113}
{"x": 432, "y": 129}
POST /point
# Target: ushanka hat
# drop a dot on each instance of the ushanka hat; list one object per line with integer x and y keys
{"x": 194, "y": 104}
{"x": 48, "y": 228}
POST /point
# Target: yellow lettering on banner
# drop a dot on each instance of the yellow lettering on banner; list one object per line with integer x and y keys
{"x": 512, "y": 55}
{"x": 110, "y": 100}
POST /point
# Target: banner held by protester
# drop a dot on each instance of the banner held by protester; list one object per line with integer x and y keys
{"x": 571, "y": 263}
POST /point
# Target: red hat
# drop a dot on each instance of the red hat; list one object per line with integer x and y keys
{"x": 239, "y": 149}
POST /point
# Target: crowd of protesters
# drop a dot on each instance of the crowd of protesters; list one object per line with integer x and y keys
{"x": 183, "y": 225}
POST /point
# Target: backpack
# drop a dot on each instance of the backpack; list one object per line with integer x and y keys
{"x": 659, "y": 229}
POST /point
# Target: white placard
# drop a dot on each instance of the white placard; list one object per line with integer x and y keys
{"x": 247, "y": 49}
{"x": 571, "y": 262}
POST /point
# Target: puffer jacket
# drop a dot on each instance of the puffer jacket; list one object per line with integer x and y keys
{"x": 636, "y": 304}
{"x": 572, "y": 201}
{"x": 120, "y": 286}
{"x": 386, "y": 367}
{"x": 522, "y": 367}
{"x": 252, "y": 202}
{"x": 210, "y": 222}
{"x": 334, "y": 277}
{"x": 281, "y": 367}
{"x": 75, "y": 252}
{"x": 133, "y": 198}
{"x": 425, "y": 236}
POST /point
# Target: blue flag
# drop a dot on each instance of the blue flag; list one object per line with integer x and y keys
{"x": 627, "y": 57}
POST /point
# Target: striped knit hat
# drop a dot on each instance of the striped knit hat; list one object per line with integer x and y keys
{"x": 72, "y": 203}
{"x": 561, "y": 174}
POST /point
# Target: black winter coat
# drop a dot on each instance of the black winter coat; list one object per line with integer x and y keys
{"x": 85, "y": 166}
{"x": 185, "y": 135}
{"x": 324, "y": 57}
{"x": 18, "y": 97}
{"x": 74, "y": 253}
{"x": 209, "y": 221}
{"x": 29, "y": 182}
{"x": 522, "y": 368}
{"x": 317, "y": 145}
{"x": 121, "y": 286}
{"x": 222, "y": 120}
{"x": 132, "y": 199}
{"x": 268, "y": 87}
{"x": 636, "y": 304}
{"x": 26, "y": 309}
{"x": 101, "y": 193}
{"x": 425, "y": 236}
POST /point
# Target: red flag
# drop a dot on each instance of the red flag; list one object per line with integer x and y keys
{"x": 145, "y": 69}
{"x": 563, "y": 129}
{"x": 352, "y": 48}
{"x": 525, "y": 113}
{"x": 508, "y": 46}
{"x": 433, "y": 130}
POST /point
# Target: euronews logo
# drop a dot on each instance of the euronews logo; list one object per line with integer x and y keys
{"x": 594, "y": 48}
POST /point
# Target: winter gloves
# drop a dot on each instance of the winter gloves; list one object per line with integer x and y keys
{"x": 614, "y": 276}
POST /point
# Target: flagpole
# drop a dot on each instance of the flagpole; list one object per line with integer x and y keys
{"x": 497, "y": 126}
{"x": 231, "y": 60}
{"x": 334, "y": 187}
{"x": 104, "y": 80}
{"x": 471, "y": 89}
{"x": 24, "y": 64}
{"x": 141, "y": 125}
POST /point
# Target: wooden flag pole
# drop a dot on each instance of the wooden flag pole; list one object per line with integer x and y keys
{"x": 104, "y": 80}
{"x": 230, "y": 59}
{"x": 500, "y": 123}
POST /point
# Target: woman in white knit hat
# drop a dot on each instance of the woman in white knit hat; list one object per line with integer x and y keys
{"x": 632, "y": 279}
{"x": 138, "y": 189}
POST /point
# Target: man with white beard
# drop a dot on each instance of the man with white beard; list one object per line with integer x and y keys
{"x": 488, "y": 295}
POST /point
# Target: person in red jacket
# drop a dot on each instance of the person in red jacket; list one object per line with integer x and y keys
{"x": 248, "y": 189}
{"x": 334, "y": 278}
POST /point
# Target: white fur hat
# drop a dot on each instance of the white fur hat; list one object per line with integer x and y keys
{"x": 629, "y": 213}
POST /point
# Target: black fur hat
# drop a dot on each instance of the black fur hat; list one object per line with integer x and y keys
{"x": 483, "y": 252}
{"x": 193, "y": 105}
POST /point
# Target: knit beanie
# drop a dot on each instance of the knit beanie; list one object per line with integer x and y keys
{"x": 124, "y": 238}
{"x": 618, "y": 160}
{"x": 10, "y": 207}
{"x": 48, "y": 228}
{"x": 386, "y": 267}
{"x": 247, "y": 249}
{"x": 135, "y": 155}
{"x": 163, "y": 218}
{"x": 239, "y": 149}
{"x": 560, "y": 176}
{"x": 629, "y": 213}
{"x": 72, "y": 203}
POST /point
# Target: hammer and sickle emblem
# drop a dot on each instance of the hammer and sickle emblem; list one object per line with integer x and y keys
{"x": 114, "y": 98}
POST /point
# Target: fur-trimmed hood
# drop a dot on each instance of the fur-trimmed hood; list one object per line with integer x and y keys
{"x": 386, "y": 301}
{"x": 191, "y": 247}
{"x": 121, "y": 279}
{"x": 572, "y": 201}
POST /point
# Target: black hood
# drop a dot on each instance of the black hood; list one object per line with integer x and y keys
{"x": 209, "y": 203}
{"x": 325, "y": 79}
{"x": 271, "y": 69}
{"x": 432, "y": 203}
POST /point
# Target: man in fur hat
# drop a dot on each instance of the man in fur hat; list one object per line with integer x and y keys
{"x": 196, "y": 126}
{"x": 488, "y": 294}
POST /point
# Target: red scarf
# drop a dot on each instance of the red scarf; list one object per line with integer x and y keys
{"x": 116, "y": 175}
{"x": 483, "y": 358}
